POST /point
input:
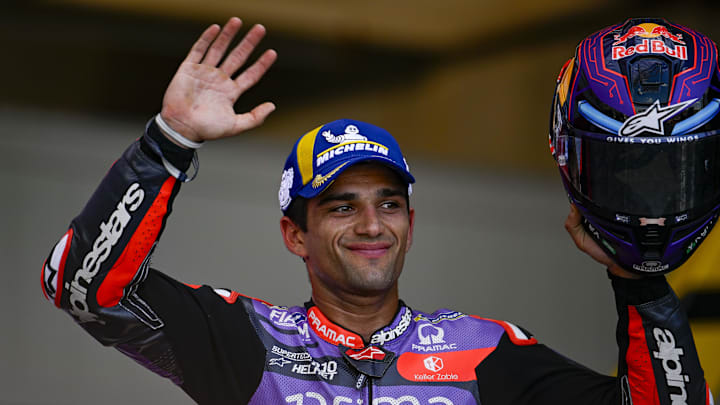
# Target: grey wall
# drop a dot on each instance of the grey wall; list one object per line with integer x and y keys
{"x": 490, "y": 244}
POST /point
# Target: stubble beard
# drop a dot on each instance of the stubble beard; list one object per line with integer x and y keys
{"x": 372, "y": 278}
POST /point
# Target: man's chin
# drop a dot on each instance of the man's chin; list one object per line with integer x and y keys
{"x": 373, "y": 283}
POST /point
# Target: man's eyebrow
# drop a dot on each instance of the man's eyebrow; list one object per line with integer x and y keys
{"x": 384, "y": 192}
{"x": 391, "y": 192}
{"x": 337, "y": 197}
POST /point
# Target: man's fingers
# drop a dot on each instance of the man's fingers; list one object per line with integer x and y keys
{"x": 574, "y": 227}
{"x": 208, "y": 109}
{"x": 254, "y": 73}
{"x": 254, "y": 118}
{"x": 583, "y": 240}
{"x": 197, "y": 52}
{"x": 237, "y": 57}
{"x": 220, "y": 45}
{"x": 573, "y": 219}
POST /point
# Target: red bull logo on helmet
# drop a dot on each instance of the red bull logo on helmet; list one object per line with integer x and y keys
{"x": 651, "y": 42}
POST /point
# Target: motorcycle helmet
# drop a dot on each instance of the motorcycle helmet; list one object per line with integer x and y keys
{"x": 635, "y": 133}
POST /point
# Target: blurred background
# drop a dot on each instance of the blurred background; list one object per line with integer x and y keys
{"x": 465, "y": 86}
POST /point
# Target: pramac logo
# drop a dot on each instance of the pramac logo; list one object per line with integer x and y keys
{"x": 331, "y": 333}
{"x": 431, "y": 338}
{"x": 430, "y": 334}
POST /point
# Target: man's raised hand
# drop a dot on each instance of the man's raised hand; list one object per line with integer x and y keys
{"x": 199, "y": 101}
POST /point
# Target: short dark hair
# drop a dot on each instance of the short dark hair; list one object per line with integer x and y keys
{"x": 297, "y": 212}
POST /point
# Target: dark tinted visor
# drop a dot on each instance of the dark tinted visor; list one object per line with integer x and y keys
{"x": 651, "y": 177}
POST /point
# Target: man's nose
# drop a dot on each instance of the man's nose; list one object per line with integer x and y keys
{"x": 369, "y": 222}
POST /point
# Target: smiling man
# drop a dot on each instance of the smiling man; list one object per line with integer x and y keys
{"x": 352, "y": 224}
{"x": 345, "y": 197}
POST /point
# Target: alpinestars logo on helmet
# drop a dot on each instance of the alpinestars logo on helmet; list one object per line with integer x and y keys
{"x": 653, "y": 119}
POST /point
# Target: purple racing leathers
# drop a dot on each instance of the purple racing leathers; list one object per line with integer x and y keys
{"x": 221, "y": 347}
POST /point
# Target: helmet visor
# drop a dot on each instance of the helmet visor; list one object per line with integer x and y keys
{"x": 651, "y": 177}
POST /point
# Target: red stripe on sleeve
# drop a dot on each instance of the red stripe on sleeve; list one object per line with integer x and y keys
{"x": 708, "y": 395}
{"x": 267, "y": 304}
{"x": 640, "y": 372}
{"x": 513, "y": 332}
{"x": 112, "y": 288}
{"x": 230, "y": 296}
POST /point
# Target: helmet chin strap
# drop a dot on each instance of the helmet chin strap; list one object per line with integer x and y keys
{"x": 652, "y": 238}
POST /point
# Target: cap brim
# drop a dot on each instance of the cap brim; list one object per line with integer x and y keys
{"x": 323, "y": 180}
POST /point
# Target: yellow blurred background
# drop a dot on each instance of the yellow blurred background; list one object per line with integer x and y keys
{"x": 468, "y": 81}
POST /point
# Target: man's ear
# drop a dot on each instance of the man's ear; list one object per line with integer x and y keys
{"x": 293, "y": 237}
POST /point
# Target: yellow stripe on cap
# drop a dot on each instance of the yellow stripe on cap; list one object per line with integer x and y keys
{"x": 304, "y": 155}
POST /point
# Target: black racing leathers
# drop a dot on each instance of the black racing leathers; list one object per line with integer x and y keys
{"x": 225, "y": 348}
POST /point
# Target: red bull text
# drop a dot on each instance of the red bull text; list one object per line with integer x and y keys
{"x": 649, "y": 45}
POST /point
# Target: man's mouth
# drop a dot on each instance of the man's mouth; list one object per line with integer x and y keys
{"x": 372, "y": 250}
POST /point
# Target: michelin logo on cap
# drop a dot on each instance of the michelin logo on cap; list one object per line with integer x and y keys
{"x": 353, "y": 141}
{"x": 319, "y": 156}
{"x": 352, "y": 133}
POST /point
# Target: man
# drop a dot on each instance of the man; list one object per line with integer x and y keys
{"x": 345, "y": 194}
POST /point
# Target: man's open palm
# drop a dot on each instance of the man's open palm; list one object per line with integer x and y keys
{"x": 199, "y": 101}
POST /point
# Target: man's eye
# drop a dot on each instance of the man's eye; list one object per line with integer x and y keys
{"x": 342, "y": 208}
{"x": 390, "y": 204}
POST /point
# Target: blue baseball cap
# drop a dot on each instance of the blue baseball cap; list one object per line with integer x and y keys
{"x": 321, "y": 155}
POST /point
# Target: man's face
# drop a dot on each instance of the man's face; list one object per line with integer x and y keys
{"x": 358, "y": 231}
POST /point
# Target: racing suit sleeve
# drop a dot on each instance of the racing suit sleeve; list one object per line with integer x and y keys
{"x": 658, "y": 363}
{"x": 99, "y": 273}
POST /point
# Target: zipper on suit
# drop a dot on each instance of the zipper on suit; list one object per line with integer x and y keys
{"x": 369, "y": 385}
